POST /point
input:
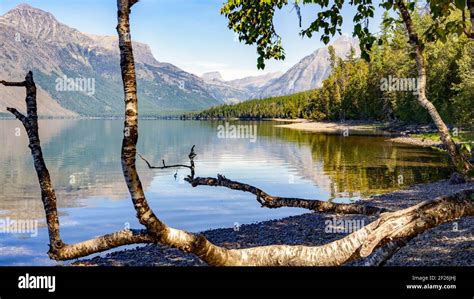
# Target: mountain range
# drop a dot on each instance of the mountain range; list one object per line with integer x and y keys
{"x": 309, "y": 73}
{"x": 78, "y": 74}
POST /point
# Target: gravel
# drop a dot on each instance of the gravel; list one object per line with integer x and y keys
{"x": 450, "y": 244}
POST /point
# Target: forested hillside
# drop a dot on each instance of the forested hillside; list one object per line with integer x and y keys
{"x": 292, "y": 106}
{"x": 382, "y": 89}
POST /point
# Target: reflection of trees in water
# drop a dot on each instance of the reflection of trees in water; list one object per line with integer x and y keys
{"x": 345, "y": 166}
{"x": 366, "y": 165}
{"x": 84, "y": 159}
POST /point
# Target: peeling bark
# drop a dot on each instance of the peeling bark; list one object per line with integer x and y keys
{"x": 458, "y": 160}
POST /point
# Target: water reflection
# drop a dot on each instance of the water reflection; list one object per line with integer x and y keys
{"x": 83, "y": 157}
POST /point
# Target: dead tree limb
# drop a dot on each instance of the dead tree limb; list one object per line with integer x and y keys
{"x": 191, "y": 165}
{"x": 273, "y": 202}
{"x": 164, "y": 166}
{"x": 267, "y": 200}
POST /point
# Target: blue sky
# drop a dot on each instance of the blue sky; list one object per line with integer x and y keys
{"x": 191, "y": 34}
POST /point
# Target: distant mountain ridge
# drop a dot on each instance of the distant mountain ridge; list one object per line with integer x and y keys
{"x": 307, "y": 74}
{"x": 310, "y": 72}
{"x": 247, "y": 87}
{"x": 32, "y": 39}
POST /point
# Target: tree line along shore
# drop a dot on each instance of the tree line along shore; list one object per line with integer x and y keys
{"x": 382, "y": 89}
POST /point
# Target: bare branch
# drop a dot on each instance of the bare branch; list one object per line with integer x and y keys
{"x": 191, "y": 165}
{"x": 273, "y": 202}
{"x": 470, "y": 7}
{"x": 389, "y": 227}
{"x": 145, "y": 214}
{"x": 18, "y": 115}
{"x": 264, "y": 198}
{"x": 164, "y": 165}
{"x": 13, "y": 84}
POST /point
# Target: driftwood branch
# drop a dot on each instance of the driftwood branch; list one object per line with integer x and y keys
{"x": 458, "y": 160}
{"x": 191, "y": 157}
{"x": 14, "y": 84}
{"x": 267, "y": 200}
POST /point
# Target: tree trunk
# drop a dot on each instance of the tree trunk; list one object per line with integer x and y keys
{"x": 460, "y": 162}
{"x": 130, "y": 133}
{"x": 470, "y": 6}
{"x": 58, "y": 250}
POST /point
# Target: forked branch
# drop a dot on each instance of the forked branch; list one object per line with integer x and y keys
{"x": 191, "y": 165}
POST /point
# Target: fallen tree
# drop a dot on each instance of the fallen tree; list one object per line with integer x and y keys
{"x": 265, "y": 199}
{"x": 388, "y": 228}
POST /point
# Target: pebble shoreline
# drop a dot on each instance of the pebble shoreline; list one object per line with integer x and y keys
{"x": 450, "y": 244}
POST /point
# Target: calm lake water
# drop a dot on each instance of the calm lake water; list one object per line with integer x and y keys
{"x": 83, "y": 157}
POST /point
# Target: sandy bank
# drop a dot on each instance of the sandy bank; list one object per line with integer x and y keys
{"x": 348, "y": 128}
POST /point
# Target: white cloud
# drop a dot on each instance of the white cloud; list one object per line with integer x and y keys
{"x": 205, "y": 65}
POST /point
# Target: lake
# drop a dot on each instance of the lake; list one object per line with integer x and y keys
{"x": 83, "y": 157}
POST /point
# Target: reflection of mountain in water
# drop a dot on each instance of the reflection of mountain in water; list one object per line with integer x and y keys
{"x": 83, "y": 157}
